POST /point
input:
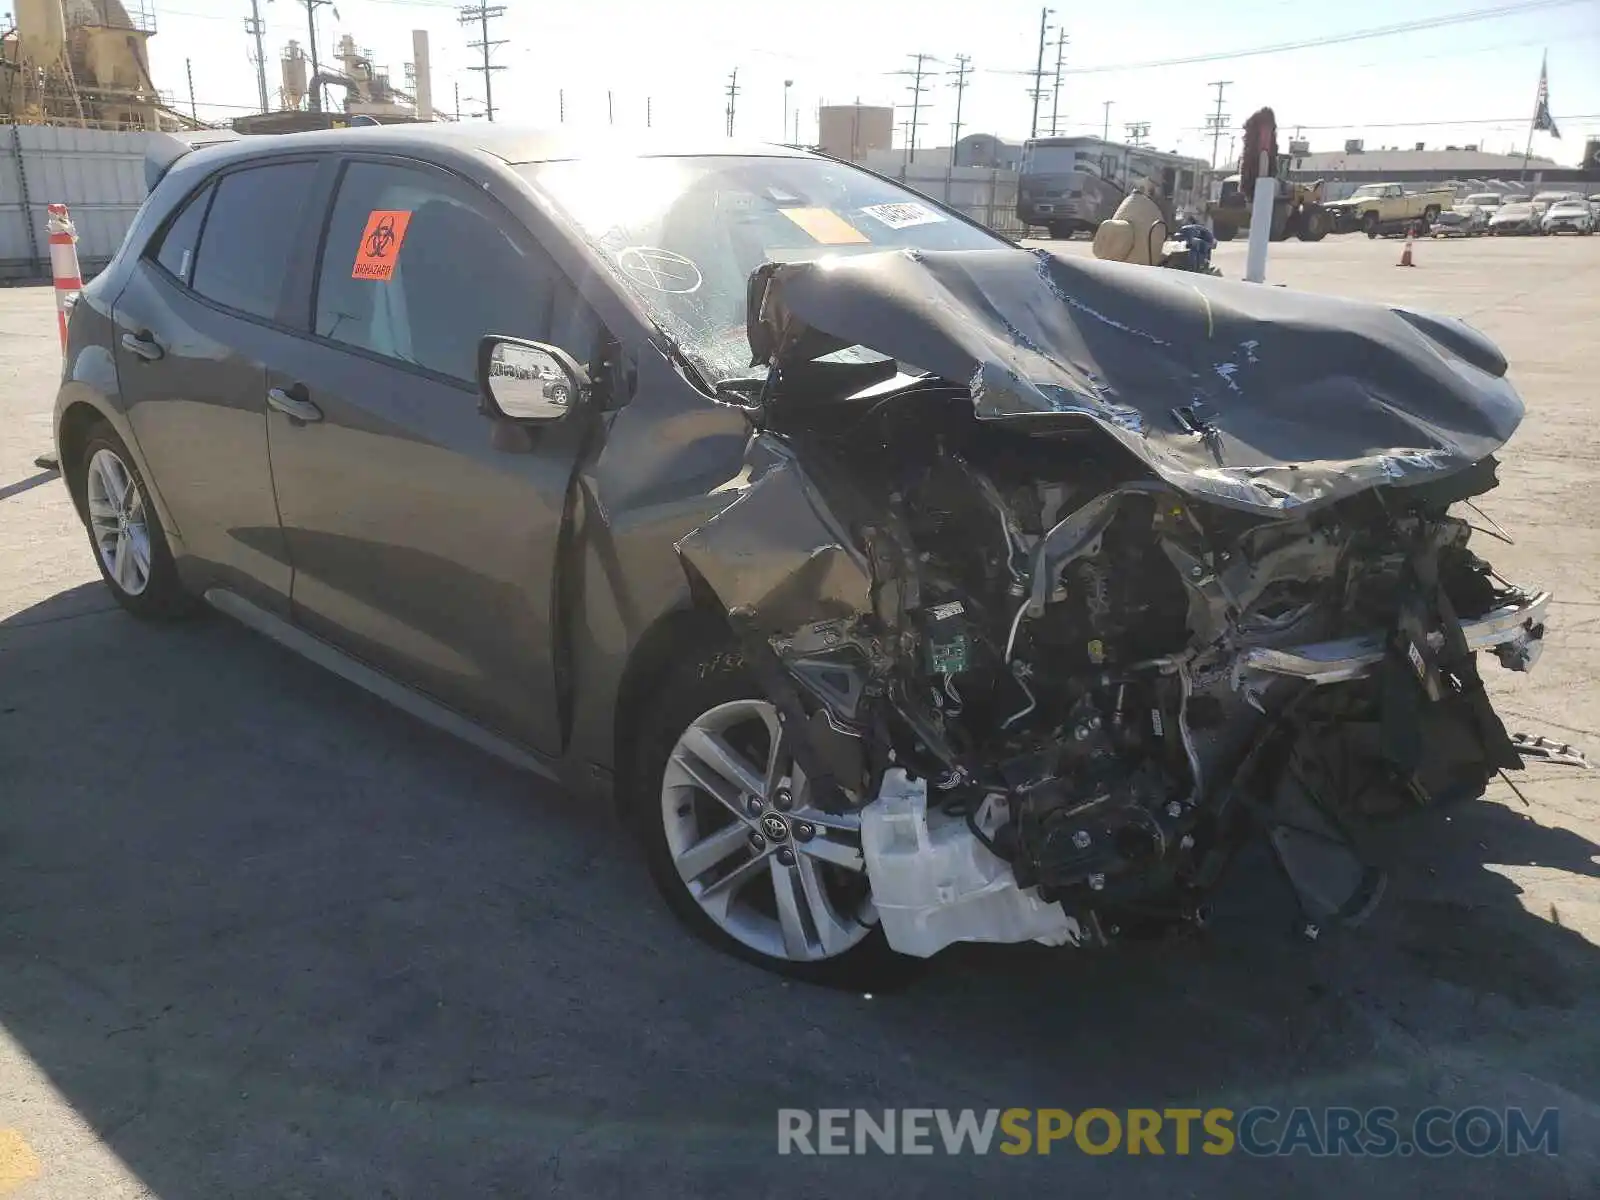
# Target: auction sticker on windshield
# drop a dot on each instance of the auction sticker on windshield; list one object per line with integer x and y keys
{"x": 380, "y": 245}
{"x": 903, "y": 215}
{"x": 826, "y": 226}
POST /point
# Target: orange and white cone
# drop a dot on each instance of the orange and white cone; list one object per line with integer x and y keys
{"x": 1405, "y": 255}
{"x": 63, "y": 265}
{"x": 68, "y": 281}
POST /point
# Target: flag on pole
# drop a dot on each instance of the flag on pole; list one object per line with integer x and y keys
{"x": 1542, "y": 120}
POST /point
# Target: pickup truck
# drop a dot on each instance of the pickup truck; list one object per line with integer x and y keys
{"x": 1376, "y": 208}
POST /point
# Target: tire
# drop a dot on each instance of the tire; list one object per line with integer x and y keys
{"x": 1060, "y": 231}
{"x": 1369, "y": 223}
{"x": 1225, "y": 233}
{"x": 125, "y": 533}
{"x": 710, "y": 701}
{"x": 1316, "y": 226}
{"x": 1430, "y": 215}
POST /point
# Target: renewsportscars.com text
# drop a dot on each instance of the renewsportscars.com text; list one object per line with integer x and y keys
{"x": 1260, "y": 1131}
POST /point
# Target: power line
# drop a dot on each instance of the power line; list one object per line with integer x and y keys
{"x": 1338, "y": 39}
{"x": 1218, "y": 121}
{"x": 963, "y": 69}
{"x": 482, "y": 14}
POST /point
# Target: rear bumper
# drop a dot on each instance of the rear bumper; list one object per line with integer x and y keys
{"x": 1515, "y": 632}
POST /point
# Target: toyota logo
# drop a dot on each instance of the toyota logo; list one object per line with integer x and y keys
{"x": 775, "y": 827}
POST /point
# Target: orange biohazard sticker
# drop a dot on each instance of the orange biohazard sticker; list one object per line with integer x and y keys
{"x": 825, "y": 226}
{"x": 380, "y": 245}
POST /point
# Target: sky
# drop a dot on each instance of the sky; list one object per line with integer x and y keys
{"x": 1453, "y": 84}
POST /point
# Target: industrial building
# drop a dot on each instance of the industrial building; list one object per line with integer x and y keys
{"x": 1345, "y": 170}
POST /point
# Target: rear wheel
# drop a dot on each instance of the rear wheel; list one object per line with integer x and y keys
{"x": 1370, "y": 224}
{"x": 130, "y": 547}
{"x": 1430, "y": 215}
{"x": 1225, "y": 233}
{"x": 735, "y": 842}
{"x": 1061, "y": 231}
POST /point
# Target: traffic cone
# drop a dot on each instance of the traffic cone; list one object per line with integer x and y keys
{"x": 1405, "y": 255}
{"x": 63, "y": 264}
{"x": 68, "y": 281}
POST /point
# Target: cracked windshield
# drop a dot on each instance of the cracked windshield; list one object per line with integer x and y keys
{"x": 685, "y": 233}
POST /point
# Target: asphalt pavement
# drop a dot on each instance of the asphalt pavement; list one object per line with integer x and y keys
{"x": 261, "y": 936}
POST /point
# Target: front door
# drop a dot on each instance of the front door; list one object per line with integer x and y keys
{"x": 424, "y": 534}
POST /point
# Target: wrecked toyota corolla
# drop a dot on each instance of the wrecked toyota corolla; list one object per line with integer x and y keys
{"x": 1066, "y": 579}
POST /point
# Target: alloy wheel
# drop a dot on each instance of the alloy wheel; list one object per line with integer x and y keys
{"x": 118, "y": 521}
{"x": 770, "y": 869}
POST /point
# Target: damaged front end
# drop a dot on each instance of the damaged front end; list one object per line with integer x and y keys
{"x": 1059, "y": 625}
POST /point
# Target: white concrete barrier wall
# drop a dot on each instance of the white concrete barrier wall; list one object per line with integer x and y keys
{"x": 98, "y": 174}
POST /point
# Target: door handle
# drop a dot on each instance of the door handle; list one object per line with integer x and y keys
{"x": 293, "y": 407}
{"x": 142, "y": 345}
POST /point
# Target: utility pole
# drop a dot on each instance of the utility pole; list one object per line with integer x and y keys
{"x": 311, "y": 26}
{"x": 647, "y": 112}
{"x": 733, "y": 97}
{"x": 1038, "y": 70}
{"x": 458, "y": 101}
{"x": 1105, "y": 131}
{"x": 1218, "y": 121}
{"x": 481, "y": 15}
{"x": 561, "y": 105}
{"x": 1055, "y": 94}
{"x": 1138, "y": 132}
{"x": 917, "y": 91}
{"x": 783, "y": 126}
{"x": 188, "y": 68}
{"x": 963, "y": 69}
{"x": 254, "y": 28}
{"x": 611, "y": 109}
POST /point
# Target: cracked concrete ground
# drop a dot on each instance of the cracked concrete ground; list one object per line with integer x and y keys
{"x": 262, "y": 936}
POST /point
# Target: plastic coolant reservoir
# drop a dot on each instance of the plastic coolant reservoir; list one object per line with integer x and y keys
{"x": 934, "y": 883}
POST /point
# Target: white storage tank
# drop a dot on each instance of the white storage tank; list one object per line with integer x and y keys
{"x": 41, "y": 30}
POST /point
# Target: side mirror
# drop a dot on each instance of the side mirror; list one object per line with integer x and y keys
{"x": 528, "y": 381}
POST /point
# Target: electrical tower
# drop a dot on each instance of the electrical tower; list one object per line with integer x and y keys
{"x": 963, "y": 69}
{"x": 917, "y": 91}
{"x": 253, "y": 26}
{"x": 480, "y": 15}
{"x": 1138, "y": 132}
{"x": 1038, "y": 71}
{"x": 1217, "y": 123}
{"x": 733, "y": 97}
{"x": 1055, "y": 93}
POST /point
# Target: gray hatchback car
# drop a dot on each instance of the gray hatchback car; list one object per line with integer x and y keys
{"x": 904, "y": 586}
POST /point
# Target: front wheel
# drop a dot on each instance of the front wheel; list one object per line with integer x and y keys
{"x": 130, "y": 547}
{"x": 736, "y": 844}
{"x": 1370, "y": 224}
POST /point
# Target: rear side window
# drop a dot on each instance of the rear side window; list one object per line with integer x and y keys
{"x": 251, "y": 235}
{"x": 176, "y": 251}
{"x": 418, "y": 266}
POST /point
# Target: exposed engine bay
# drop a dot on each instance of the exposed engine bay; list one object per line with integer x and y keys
{"x": 1061, "y": 691}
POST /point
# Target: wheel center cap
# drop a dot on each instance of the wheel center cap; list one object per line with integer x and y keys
{"x": 775, "y": 827}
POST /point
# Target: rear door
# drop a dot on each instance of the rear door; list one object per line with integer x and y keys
{"x": 424, "y": 534}
{"x": 198, "y": 321}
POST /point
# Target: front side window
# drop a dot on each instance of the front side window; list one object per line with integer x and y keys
{"x": 175, "y": 252}
{"x": 685, "y": 234}
{"x": 251, "y": 236}
{"x": 418, "y": 267}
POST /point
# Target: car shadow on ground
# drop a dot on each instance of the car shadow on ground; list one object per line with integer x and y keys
{"x": 269, "y": 937}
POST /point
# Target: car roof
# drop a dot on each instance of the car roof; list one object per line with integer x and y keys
{"x": 509, "y": 143}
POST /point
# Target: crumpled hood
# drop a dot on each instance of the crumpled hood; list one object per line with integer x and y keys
{"x": 1256, "y": 397}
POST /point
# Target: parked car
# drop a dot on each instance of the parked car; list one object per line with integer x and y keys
{"x": 1477, "y": 209}
{"x": 1453, "y": 223}
{"x": 1514, "y": 217}
{"x": 1543, "y": 200}
{"x": 612, "y": 458}
{"x": 1568, "y": 216}
{"x": 1376, "y": 208}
